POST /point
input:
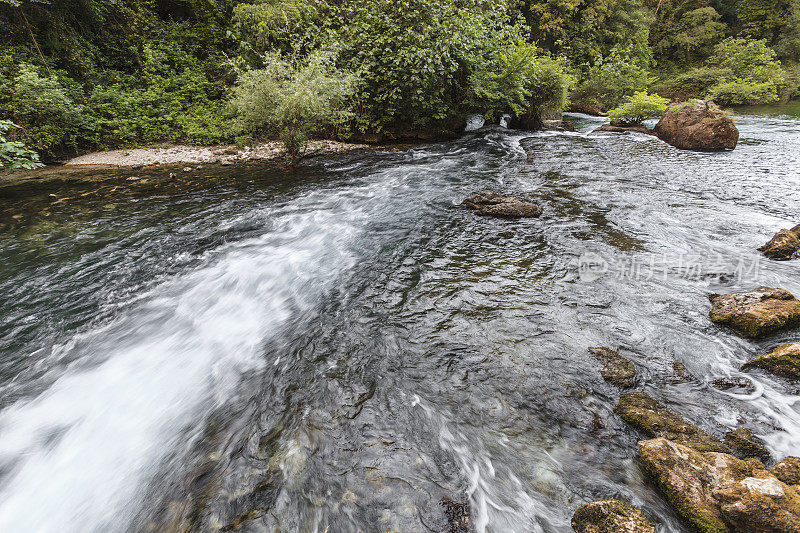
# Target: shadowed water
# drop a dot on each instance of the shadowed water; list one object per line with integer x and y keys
{"x": 346, "y": 349}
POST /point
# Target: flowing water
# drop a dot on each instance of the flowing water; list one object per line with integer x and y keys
{"x": 345, "y": 349}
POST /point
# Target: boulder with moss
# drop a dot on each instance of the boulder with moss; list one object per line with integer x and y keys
{"x": 756, "y": 313}
{"x": 788, "y": 471}
{"x": 718, "y": 493}
{"x": 616, "y": 369}
{"x": 610, "y": 516}
{"x": 697, "y": 125}
{"x": 654, "y": 420}
{"x": 784, "y": 245}
{"x": 493, "y": 204}
{"x": 783, "y": 361}
{"x": 746, "y": 445}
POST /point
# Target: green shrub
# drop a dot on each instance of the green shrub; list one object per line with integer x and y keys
{"x": 14, "y": 155}
{"x": 694, "y": 83}
{"x": 743, "y": 92}
{"x": 756, "y": 76}
{"x": 638, "y": 108}
{"x": 294, "y": 100}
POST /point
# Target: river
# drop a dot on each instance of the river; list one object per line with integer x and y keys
{"x": 345, "y": 349}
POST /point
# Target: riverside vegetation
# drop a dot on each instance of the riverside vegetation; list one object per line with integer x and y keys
{"x": 101, "y": 74}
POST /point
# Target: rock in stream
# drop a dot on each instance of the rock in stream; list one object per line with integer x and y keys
{"x": 756, "y": 313}
{"x": 784, "y": 245}
{"x": 490, "y": 203}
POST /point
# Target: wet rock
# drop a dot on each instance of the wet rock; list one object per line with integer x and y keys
{"x": 716, "y": 492}
{"x": 788, "y": 471}
{"x": 616, "y": 369}
{"x": 587, "y": 108}
{"x": 610, "y": 516}
{"x": 783, "y": 361}
{"x": 459, "y": 519}
{"x": 558, "y": 125}
{"x": 734, "y": 385}
{"x": 783, "y": 246}
{"x": 681, "y": 374}
{"x": 756, "y": 313}
{"x": 489, "y": 203}
{"x": 613, "y": 128}
{"x": 697, "y": 125}
{"x": 655, "y": 420}
{"x": 745, "y": 445}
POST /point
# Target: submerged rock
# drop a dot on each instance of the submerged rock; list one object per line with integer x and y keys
{"x": 610, "y": 516}
{"x": 745, "y": 445}
{"x": 614, "y": 128}
{"x": 735, "y": 385}
{"x": 489, "y": 203}
{"x": 754, "y": 314}
{"x": 783, "y": 361}
{"x": 716, "y": 492}
{"x": 459, "y": 518}
{"x": 784, "y": 245}
{"x": 697, "y": 125}
{"x": 655, "y": 420}
{"x": 616, "y": 369}
{"x": 788, "y": 471}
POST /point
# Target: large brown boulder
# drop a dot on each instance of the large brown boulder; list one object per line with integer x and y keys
{"x": 697, "y": 125}
{"x": 610, "y": 516}
{"x": 718, "y": 493}
{"x": 782, "y": 361}
{"x": 492, "y": 204}
{"x": 783, "y": 246}
{"x": 654, "y": 420}
{"x": 756, "y": 313}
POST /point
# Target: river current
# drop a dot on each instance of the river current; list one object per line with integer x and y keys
{"x": 345, "y": 349}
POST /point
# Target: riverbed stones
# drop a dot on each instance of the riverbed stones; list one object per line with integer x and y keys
{"x": 718, "y": 493}
{"x": 697, "y": 125}
{"x": 615, "y": 128}
{"x": 746, "y": 445}
{"x": 784, "y": 245}
{"x": 610, "y": 516}
{"x": 783, "y": 361}
{"x": 616, "y": 369}
{"x": 756, "y": 313}
{"x": 788, "y": 470}
{"x": 493, "y": 204}
{"x": 654, "y": 420}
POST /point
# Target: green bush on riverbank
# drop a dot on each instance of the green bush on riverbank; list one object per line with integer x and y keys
{"x": 99, "y": 74}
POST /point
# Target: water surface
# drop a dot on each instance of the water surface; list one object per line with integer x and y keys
{"x": 346, "y": 349}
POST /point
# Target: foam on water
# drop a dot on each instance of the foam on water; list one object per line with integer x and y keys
{"x": 78, "y": 454}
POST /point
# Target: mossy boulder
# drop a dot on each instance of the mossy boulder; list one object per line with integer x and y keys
{"x": 697, "y": 125}
{"x": 783, "y": 246}
{"x": 788, "y": 471}
{"x": 655, "y": 420}
{"x": 489, "y": 203}
{"x": 746, "y": 445}
{"x": 616, "y": 369}
{"x": 756, "y": 313}
{"x": 610, "y": 516}
{"x": 783, "y": 361}
{"x": 718, "y": 493}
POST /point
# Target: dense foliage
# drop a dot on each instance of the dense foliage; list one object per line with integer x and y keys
{"x": 14, "y": 155}
{"x": 96, "y": 74}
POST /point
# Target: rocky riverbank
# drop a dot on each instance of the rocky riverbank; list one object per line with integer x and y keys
{"x": 225, "y": 155}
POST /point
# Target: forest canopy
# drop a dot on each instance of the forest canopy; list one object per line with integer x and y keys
{"x": 97, "y": 74}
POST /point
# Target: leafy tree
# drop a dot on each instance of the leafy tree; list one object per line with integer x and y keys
{"x": 292, "y": 101}
{"x": 638, "y": 108}
{"x": 623, "y": 72}
{"x": 693, "y": 35}
{"x": 755, "y": 76}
